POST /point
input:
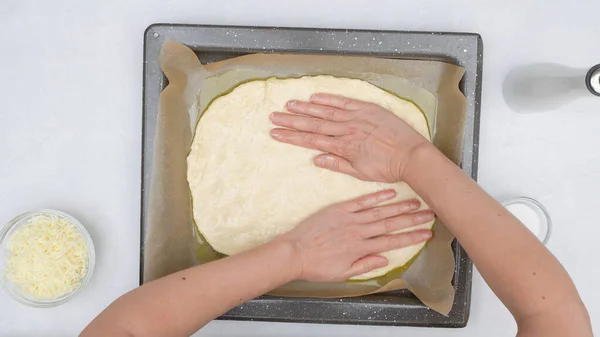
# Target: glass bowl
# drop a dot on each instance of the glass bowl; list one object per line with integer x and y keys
{"x": 11, "y": 289}
{"x": 545, "y": 223}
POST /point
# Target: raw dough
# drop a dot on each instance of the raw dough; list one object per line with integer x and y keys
{"x": 247, "y": 188}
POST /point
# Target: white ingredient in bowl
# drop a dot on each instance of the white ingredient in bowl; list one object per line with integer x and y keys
{"x": 47, "y": 258}
{"x": 528, "y": 216}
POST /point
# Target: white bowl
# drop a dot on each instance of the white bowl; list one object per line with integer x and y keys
{"x": 545, "y": 223}
{"x": 11, "y": 289}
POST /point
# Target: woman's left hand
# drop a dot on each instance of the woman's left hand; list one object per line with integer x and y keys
{"x": 343, "y": 240}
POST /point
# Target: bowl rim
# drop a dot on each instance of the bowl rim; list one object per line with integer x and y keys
{"x": 537, "y": 205}
{"x": 20, "y": 220}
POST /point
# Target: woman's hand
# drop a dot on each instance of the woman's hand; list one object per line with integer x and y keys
{"x": 343, "y": 240}
{"x": 361, "y": 139}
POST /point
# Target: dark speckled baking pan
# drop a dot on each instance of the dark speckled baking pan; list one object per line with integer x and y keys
{"x": 215, "y": 43}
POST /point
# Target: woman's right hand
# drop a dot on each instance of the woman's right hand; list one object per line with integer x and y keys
{"x": 360, "y": 139}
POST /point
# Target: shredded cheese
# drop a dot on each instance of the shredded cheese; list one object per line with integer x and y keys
{"x": 47, "y": 257}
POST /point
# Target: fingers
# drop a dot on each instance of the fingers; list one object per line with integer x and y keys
{"x": 314, "y": 141}
{"x": 366, "y": 264}
{"x": 367, "y": 201}
{"x": 337, "y": 101}
{"x": 384, "y": 243}
{"x": 319, "y": 111}
{"x": 396, "y": 223}
{"x": 309, "y": 124}
{"x": 387, "y": 211}
{"x": 336, "y": 164}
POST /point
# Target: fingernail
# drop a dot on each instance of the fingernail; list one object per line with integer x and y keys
{"x": 382, "y": 262}
{"x": 424, "y": 217}
{"x": 386, "y": 195}
{"x": 427, "y": 235}
{"x": 272, "y": 116}
{"x": 389, "y": 193}
{"x": 275, "y": 133}
{"x": 414, "y": 205}
{"x": 322, "y": 160}
{"x": 292, "y": 103}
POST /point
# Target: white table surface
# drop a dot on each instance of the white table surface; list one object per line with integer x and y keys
{"x": 70, "y": 131}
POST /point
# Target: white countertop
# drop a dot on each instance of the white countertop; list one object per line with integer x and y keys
{"x": 70, "y": 126}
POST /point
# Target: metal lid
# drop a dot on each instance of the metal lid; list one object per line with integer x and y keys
{"x": 592, "y": 80}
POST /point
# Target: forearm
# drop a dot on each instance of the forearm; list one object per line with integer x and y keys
{"x": 518, "y": 268}
{"x": 181, "y": 303}
{"x": 368, "y": 142}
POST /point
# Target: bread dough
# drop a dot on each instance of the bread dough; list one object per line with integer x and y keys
{"x": 248, "y": 188}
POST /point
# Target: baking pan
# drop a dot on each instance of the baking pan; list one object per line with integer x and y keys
{"x": 215, "y": 43}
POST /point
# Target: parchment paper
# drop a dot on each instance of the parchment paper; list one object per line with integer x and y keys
{"x": 172, "y": 242}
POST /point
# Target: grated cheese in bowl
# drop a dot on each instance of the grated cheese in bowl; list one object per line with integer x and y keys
{"x": 46, "y": 258}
